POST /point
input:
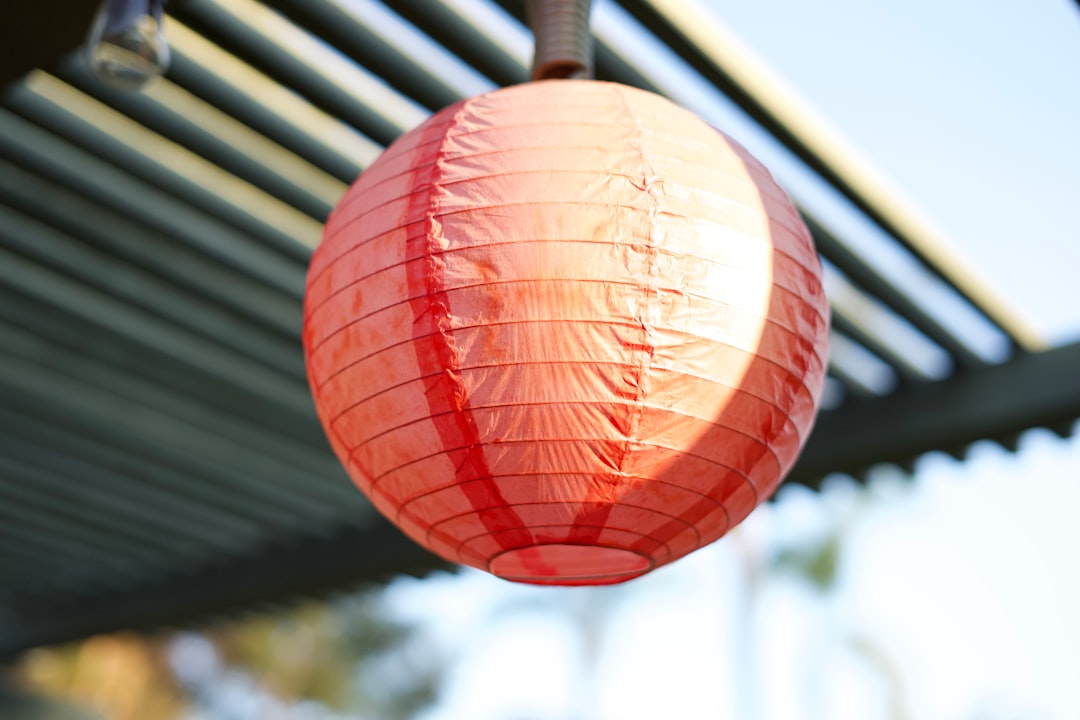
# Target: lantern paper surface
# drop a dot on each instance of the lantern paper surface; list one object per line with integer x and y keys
{"x": 566, "y": 332}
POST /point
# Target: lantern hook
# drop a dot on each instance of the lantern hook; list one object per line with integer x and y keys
{"x": 563, "y": 41}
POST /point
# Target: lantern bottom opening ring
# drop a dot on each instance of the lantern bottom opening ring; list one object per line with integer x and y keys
{"x": 569, "y": 564}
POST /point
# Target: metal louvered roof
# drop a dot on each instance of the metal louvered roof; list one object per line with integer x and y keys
{"x": 160, "y": 459}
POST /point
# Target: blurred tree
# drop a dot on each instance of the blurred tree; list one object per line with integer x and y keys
{"x": 312, "y": 660}
{"x": 819, "y": 566}
{"x": 816, "y": 564}
{"x": 16, "y": 704}
{"x": 120, "y": 676}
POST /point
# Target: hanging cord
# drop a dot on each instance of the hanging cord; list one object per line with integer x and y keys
{"x": 563, "y": 41}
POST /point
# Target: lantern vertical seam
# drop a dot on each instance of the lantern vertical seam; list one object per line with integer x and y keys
{"x": 595, "y": 509}
{"x": 650, "y": 290}
{"x": 445, "y": 384}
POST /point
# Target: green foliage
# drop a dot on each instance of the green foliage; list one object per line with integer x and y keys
{"x": 818, "y": 564}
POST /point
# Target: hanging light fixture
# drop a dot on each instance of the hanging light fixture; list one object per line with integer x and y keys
{"x": 566, "y": 332}
{"x": 126, "y": 46}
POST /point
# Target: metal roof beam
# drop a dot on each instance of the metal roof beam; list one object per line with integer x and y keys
{"x": 992, "y": 403}
{"x": 870, "y": 281}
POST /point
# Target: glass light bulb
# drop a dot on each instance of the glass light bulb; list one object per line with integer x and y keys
{"x": 126, "y": 46}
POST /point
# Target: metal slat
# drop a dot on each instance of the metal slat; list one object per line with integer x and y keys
{"x": 149, "y": 331}
{"x": 48, "y": 478}
{"x": 103, "y": 182}
{"x": 20, "y": 568}
{"x": 905, "y": 372}
{"x": 226, "y": 440}
{"x": 145, "y": 507}
{"x": 912, "y": 355}
{"x": 42, "y": 571}
{"x": 70, "y": 335}
{"x": 239, "y": 499}
{"x": 40, "y": 565}
{"x": 364, "y": 31}
{"x": 852, "y": 387}
{"x": 33, "y": 513}
{"x": 26, "y": 524}
{"x": 283, "y": 512}
{"x": 199, "y": 531}
{"x": 28, "y": 503}
{"x": 66, "y": 559}
{"x": 149, "y": 248}
{"x": 262, "y": 103}
{"x": 139, "y": 289}
{"x": 56, "y": 105}
{"x": 316, "y": 507}
{"x": 185, "y": 119}
{"x": 300, "y": 60}
{"x": 450, "y": 24}
{"x": 860, "y": 371}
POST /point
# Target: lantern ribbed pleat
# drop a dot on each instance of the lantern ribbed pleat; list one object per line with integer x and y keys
{"x": 566, "y": 332}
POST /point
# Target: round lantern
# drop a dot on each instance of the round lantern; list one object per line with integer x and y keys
{"x": 566, "y": 332}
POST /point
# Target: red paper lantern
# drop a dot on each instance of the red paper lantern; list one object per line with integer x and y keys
{"x": 566, "y": 332}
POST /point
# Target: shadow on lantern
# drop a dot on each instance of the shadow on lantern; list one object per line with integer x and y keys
{"x": 565, "y": 332}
